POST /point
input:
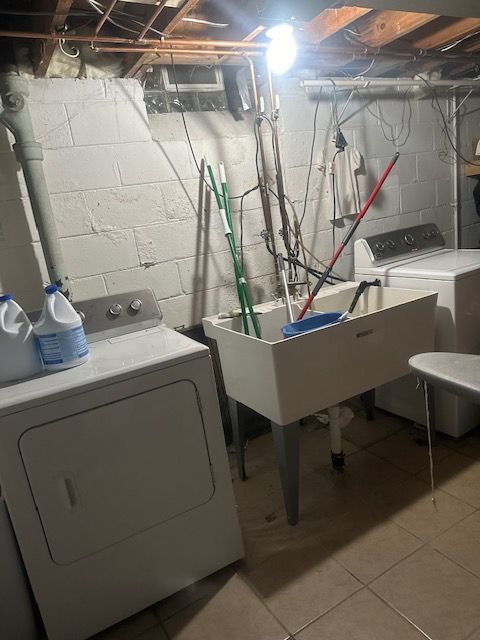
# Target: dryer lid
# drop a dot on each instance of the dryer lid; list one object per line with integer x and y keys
{"x": 117, "y": 358}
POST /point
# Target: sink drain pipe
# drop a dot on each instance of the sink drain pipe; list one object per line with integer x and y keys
{"x": 15, "y": 115}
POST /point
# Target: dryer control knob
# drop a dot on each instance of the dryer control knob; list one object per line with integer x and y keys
{"x": 409, "y": 239}
{"x": 136, "y": 305}
{"x": 379, "y": 246}
{"x": 115, "y": 310}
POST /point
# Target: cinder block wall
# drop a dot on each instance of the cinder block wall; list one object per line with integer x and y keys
{"x": 125, "y": 191}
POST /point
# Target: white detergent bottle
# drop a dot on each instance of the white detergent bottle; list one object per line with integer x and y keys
{"x": 60, "y": 333}
{"x": 19, "y": 355}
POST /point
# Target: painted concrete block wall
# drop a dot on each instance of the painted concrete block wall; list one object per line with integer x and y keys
{"x": 125, "y": 191}
{"x": 469, "y": 136}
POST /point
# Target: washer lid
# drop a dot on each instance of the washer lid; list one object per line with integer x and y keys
{"x": 116, "y": 358}
{"x": 444, "y": 265}
{"x": 448, "y": 264}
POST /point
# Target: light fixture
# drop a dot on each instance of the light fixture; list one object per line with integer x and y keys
{"x": 282, "y": 50}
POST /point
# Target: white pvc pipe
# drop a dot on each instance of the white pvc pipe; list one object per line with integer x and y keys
{"x": 366, "y": 83}
{"x": 456, "y": 202}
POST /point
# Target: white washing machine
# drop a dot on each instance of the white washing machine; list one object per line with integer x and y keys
{"x": 115, "y": 473}
{"x": 416, "y": 258}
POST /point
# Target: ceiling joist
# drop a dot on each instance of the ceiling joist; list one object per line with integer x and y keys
{"x": 330, "y": 21}
{"x": 448, "y": 31}
{"x": 134, "y": 64}
{"x": 383, "y": 27}
{"x": 61, "y": 9}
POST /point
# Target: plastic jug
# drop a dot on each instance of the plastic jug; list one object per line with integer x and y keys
{"x": 60, "y": 333}
{"x": 19, "y": 356}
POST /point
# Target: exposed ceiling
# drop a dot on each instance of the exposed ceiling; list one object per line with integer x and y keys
{"x": 367, "y": 38}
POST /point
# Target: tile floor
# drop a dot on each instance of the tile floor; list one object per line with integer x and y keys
{"x": 371, "y": 559}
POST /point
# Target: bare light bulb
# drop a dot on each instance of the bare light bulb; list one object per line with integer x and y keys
{"x": 282, "y": 50}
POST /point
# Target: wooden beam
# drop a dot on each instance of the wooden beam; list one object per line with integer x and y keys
{"x": 188, "y": 6}
{"x": 46, "y": 51}
{"x": 449, "y": 30}
{"x": 383, "y": 27}
{"x": 133, "y": 64}
{"x": 331, "y": 21}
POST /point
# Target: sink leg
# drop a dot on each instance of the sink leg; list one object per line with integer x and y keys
{"x": 368, "y": 402}
{"x": 238, "y": 438}
{"x": 286, "y": 440}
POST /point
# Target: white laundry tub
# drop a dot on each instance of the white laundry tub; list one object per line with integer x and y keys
{"x": 286, "y": 380}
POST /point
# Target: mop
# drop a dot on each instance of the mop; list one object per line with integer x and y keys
{"x": 348, "y": 237}
{"x": 242, "y": 288}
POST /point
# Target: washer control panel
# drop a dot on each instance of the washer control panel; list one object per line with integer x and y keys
{"x": 403, "y": 242}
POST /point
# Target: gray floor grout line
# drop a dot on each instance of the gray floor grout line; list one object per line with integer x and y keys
{"x": 474, "y": 575}
{"x": 308, "y": 624}
{"x": 400, "y": 613}
{"x": 261, "y": 599}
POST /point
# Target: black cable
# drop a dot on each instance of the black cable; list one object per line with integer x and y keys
{"x": 310, "y": 164}
{"x": 185, "y": 125}
{"x": 446, "y": 130}
{"x": 311, "y": 270}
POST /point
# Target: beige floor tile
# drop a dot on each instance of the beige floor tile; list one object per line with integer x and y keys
{"x": 461, "y": 543}
{"x": 202, "y": 589}
{"x": 362, "y": 617}
{"x": 155, "y": 633}
{"x": 404, "y": 451}
{"x": 234, "y": 612}
{"x": 130, "y": 628}
{"x": 474, "y": 636}
{"x": 263, "y": 477}
{"x": 367, "y": 544}
{"x": 363, "y": 433}
{"x": 434, "y": 593}
{"x": 324, "y": 496}
{"x": 459, "y": 476}
{"x": 301, "y": 583}
{"x": 468, "y": 445}
{"x": 414, "y": 510}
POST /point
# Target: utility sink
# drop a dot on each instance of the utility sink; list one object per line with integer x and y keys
{"x": 288, "y": 379}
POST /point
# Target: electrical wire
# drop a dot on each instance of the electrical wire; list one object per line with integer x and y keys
{"x": 312, "y": 151}
{"x": 446, "y": 128}
{"x": 182, "y": 114}
{"x": 99, "y": 8}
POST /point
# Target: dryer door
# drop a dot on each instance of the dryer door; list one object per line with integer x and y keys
{"x": 107, "y": 474}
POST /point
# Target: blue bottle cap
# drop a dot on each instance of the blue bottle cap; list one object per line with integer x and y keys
{"x": 6, "y": 297}
{"x": 52, "y": 288}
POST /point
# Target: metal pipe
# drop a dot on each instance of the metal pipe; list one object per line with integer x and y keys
{"x": 286, "y": 291}
{"x": 263, "y": 180}
{"x": 366, "y": 83}
{"x": 55, "y": 37}
{"x": 456, "y": 190}
{"x": 279, "y": 170}
{"x": 16, "y": 117}
{"x": 152, "y": 19}
{"x": 104, "y": 17}
{"x": 176, "y": 52}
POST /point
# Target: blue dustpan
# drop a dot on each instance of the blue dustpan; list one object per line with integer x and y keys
{"x": 316, "y": 321}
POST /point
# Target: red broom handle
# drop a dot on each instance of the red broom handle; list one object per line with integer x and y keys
{"x": 348, "y": 237}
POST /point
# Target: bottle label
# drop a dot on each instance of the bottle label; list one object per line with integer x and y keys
{"x": 57, "y": 348}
